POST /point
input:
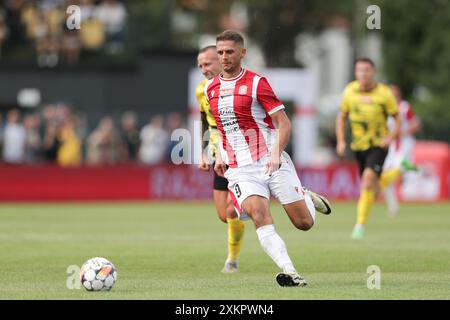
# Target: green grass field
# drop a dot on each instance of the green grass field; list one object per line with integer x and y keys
{"x": 176, "y": 251}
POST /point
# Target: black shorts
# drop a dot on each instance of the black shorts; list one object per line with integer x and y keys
{"x": 220, "y": 183}
{"x": 371, "y": 158}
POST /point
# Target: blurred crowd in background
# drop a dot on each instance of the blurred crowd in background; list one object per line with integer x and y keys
{"x": 58, "y": 135}
{"x": 322, "y": 38}
{"x": 42, "y": 27}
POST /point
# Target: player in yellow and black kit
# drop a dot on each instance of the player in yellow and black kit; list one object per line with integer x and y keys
{"x": 367, "y": 105}
{"x": 209, "y": 65}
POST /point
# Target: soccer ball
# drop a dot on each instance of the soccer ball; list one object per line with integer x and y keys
{"x": 98, "y": 274}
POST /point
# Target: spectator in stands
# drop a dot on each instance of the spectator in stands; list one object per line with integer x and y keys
{"x": 154, "y": 139}
{"x": 3, "y": 31}
{"x": 103, "y": 143}
{"x": 81, "y": 125}
{"x": 47, "y": 46}
{"x": 87, "y": 9}
{"x": 113, "y": 15}
{"x": 174, "y": 122}
{"x": 14, "y": 138}
{"x": 92, "y": 33}
{"x": 63, "y": 112}
{"x": 33, "y": 141}
{"x": 16, "y": 34}
{"x": 47, "y": 5}
{"x": 43, "y": 24}
{"x": 50, "y": 142}
{"x": 70, "y": 150}
{"x": 55, "y": 16}
{"x": 70, "y": 42}
{"x": 29, "y": 18}
{"x": 130, "y": 135}
{"x": 50, "y": 130}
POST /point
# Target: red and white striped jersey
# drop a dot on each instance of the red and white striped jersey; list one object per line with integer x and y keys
{"x": 242, "y": 107}
{"x": 407, "y": 118}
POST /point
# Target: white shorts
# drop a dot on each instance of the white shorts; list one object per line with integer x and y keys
{"x": 249, "y": 180}
{"x": 395, "y": 156}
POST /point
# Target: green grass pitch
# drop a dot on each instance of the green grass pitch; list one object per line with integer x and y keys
{"x": 176, "y": 251}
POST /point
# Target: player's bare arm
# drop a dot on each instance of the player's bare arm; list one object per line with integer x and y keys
{"x": 393, "y": 134}
{"x": 204, "y": 162}
{"x": 219, "y": 165}
{"x": 414, "y": 127}
{"x": 340, "y": 133}
{"x": 283, "y": 133}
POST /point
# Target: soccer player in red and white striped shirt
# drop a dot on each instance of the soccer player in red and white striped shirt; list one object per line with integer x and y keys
{"x": 400, "y": 153}
{"x": 246, "y": 108}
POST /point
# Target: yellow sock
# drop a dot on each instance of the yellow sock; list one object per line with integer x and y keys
{"x": 236, "y": 229}
{"x": 389, "y": 176}
{"x": 365, "y": 204}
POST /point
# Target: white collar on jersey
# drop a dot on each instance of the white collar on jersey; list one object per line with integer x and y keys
{"x": 234, "y": 78}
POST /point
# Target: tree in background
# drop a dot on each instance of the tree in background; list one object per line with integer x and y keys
{"x": 416, "y": 50}
{"x": 274, "y": 24}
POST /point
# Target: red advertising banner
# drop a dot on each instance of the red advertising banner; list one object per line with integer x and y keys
{"x": 337, "y": 181}
{"x": 47, "y": 183}
{"x": 165, "y": 182}
{"x": 169, "y": 182}
{"x": 432, "y": 182}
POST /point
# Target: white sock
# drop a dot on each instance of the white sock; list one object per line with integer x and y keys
{"x": 391, "y": 199}
{"x": 310, "y": 205}
{"x": 275, "y": 247}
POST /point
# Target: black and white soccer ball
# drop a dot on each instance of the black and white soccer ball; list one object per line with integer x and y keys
{"x": 98, "y": 274}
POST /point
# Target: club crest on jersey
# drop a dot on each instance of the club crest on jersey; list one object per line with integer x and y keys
{"x": 366, "y": 99}
{"x": 226, "y": 92}
{"x": 243, "y": 89}
{"x": 298, "y": 191}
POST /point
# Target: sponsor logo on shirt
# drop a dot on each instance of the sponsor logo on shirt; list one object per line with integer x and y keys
{"x": 243, "y": 89}
{"x": 226, "y": 92}
{"x": 366, "y": 99}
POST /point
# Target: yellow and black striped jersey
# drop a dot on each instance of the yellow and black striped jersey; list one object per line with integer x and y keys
{"x": 368, "y": 112}
{"x": 204, "y": 104}
{"x": 205, "y": 108}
